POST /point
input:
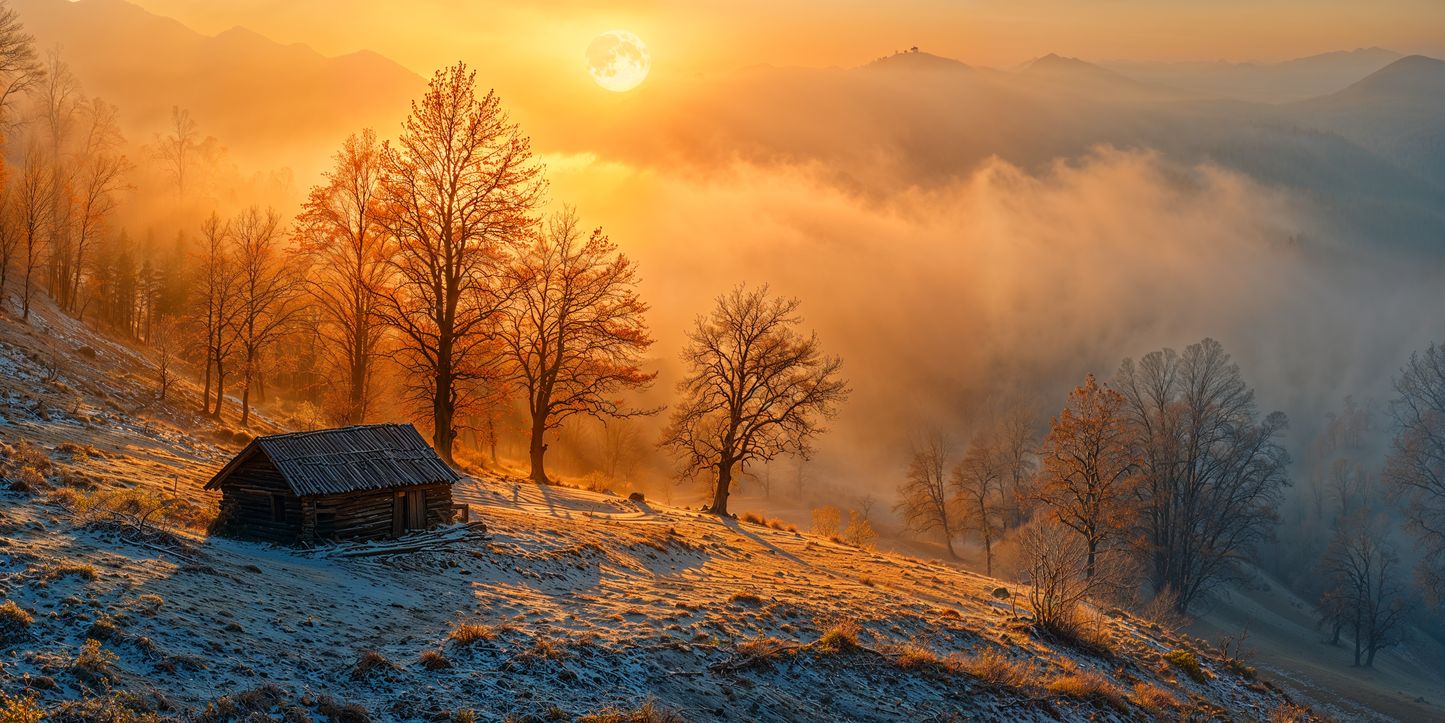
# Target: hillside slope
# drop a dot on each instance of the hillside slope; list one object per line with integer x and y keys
{"x": 570, "y": 602}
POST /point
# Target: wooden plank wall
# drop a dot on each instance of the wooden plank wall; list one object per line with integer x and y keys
{"x": 368, "y": 515}
{"x": 246, "y": 498}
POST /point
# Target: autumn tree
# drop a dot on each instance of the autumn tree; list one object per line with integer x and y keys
{"x": 20, "y": 67}
{"x": 978, "y": 483}
{"x": 32, "y": 202}
{"x": 100, "y": 177}
{"x": 217, "y": 308}
{"x": 1210, "y": 470}
{"x": 576, "y": 332}
{"x": 1365, "y": 594}
{"x": 165, "y": 342}
{"x": 1415, "y": 468}
{"x": 340, "y": 234}
{"x": 1088, "y": 468}
{"x": 753, "y": 388}
{"x": 10, "y": 237}
{"x": 267, "y": 283}
{"x": 924, "y": 499}
{"x": 458, "y": 194}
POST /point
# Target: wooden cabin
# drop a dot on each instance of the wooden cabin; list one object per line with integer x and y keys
{"x": 363, "y": 482}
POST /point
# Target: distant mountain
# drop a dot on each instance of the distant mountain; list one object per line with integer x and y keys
{"x": 271, "y": 104}
{"x": 1288, "y": 81}
{"x": 1397, "y": 112}
{"x": 918, "y": 61}
{"x": 1077, "y": 76}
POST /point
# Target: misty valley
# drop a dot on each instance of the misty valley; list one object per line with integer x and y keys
{"x": 651, "y": 363}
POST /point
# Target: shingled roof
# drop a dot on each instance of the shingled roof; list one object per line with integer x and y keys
{"x": 348, "y": 459}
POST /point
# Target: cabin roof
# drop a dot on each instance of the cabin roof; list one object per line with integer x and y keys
{"x": 347, "y": 459}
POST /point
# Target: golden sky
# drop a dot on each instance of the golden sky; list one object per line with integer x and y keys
{"x": 709, "y": 36}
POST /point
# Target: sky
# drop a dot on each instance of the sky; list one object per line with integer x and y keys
{"x": 709, "y": 36}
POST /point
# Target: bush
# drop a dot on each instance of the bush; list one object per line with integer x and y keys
{"x": 14, "y": 623}
{"x": 95, "y": 665}
{"x": 753, "y": 518}
{"x": 825, "y": 522}
{"x": 840, "y": 636}
{"x": 859, "y": 532}
{"x": 150, "y": 604}
{"x": 913, "y": 656}
{"x": 103, "y": 629}
{"x": 598, "y": 482}
{"x": 20, "y": 710}
{"x": 1189, "y": 663}
{"x": 760, "y": 650}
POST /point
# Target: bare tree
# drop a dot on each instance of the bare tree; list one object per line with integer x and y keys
{"x": 165, "y": 342}
{"x": 32, "y": 197}
{"x": 100, "y": 177}
{"x": 866, "y": 503}
{"x": 1415, "y": 468}
{"x": 268, "y": 283}
{"x": 1054, "y": 562}
{"x": 217, "y": 307}
{"x": 177, "y": 152}
{"x": 1365, "y": 592}
{"x": 622, "y": 447}
{"x": 753, "y": 388}
{"x": 339, "y": 232}
{"x": 978, "y": 484}
{"x": 1017, "y": 437}
{"x": 459, "y": 192}
{"x": 575, "y": 337}
{"x": 924, "y": 501}
{"x": 1210, "y": 471}
{"x": 1088, "y": 468}
{"x": 20, "y": 68}
{"x": 10, "y": 237}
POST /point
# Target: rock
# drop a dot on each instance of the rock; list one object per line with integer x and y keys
{"x": 86, "y": 352}
{"x": 637, "y": 497}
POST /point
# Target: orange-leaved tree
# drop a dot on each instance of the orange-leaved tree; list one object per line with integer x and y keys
{"x": 575, "y": 335}
{"x": 1087, "y": 466}
{"x": 458, "y": 196}
{"x": 340, "y": 234}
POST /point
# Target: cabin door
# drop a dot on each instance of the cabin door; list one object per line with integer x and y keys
{"x": 416, "y": 510}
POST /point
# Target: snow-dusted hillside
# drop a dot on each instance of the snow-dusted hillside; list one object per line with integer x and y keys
{"x": 553, "y": 603}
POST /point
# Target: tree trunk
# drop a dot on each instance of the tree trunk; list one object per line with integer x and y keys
{"x": 220, "y": 390}
{"x": 358, "y": 383}
{"x": 948, "y": 544}
{"x": 206, "y": 389}
{"x": 246, "y": 403}
{"x": 724, "y": 486}
{"x": 1089, "y": 567}
{"x": 538, "y": 448}
{"x": 442, "y": 409}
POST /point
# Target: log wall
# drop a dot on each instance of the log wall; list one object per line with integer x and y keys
{"x": 246, "y": 503}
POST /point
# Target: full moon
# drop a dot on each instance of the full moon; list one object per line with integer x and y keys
{"x": 618, "y": 60}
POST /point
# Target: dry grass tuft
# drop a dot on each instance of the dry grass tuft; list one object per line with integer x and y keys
{"x": 1153, "y": 698}
{"x": 14, "y": 623}
{"x": 150, "y": 604}
{"x": 468, "y": 634}
{"x": 370, "y": 663}
{"x": 543, "y": 648}
{"x": 994, "y": 670}
{"x": 746, "y": 598}
{"x": 1289, "y": 713}
{"x": 914, "y": 656}
{"x": 649, "y": 712}
{"x": 1091, "y": 686}
{"x": 435, "y": 660}
{"x": 753, "y": 518}
{"x": 339, "y": 713}
{"x": 839, "y": 636}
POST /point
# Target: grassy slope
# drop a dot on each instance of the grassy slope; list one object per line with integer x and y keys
{"x": 592, "y": 601}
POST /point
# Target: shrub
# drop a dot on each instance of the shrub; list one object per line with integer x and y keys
{"x": 825, "y": 522}
{"x": 339, "y": 713}
{"x": 859, "y": 532}
{"x": 753, "y": 518}
{"x": 1189, "y": 663}
{"x": 20, "y": 710}
{"x": 14, "y": 623}
{"x": 1089, "y": 685}
{"x": 370, "y": 663}
{"x": 777, "y": 524}
{"x": 150, "y": 604}
{"x": 435, "y": 660}
{"x": 55, "y": 571}
{"x": 468, "y": 634}
{"x": 746, "y": 598}
{"x": 840, "y": 636}
{"x": 597, "y": 482}
{"x": 760, "y": 650}
{"x": 914, "y": 656}
{"x": 543, "y": 648}
{"x": 95, "y": 665}
{"x": 103, "y": 629}
{"x": 1289, "y": 713}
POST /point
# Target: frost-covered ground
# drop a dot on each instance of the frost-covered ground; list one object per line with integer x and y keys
{"x": 591, "y": 602}
{"x": 576, "y": 601}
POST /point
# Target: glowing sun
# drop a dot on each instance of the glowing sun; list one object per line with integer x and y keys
{"x": 618, "y": 60}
